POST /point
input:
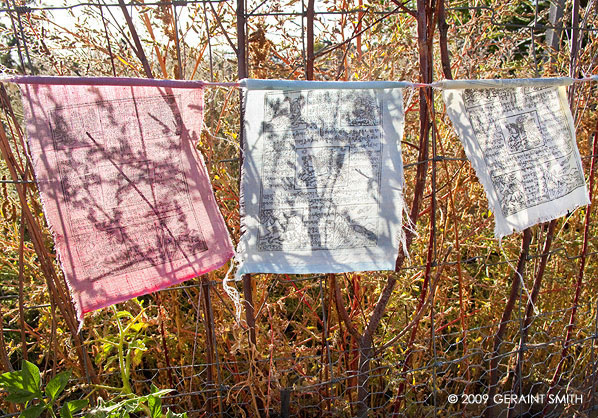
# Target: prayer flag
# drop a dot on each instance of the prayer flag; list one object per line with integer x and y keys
{"x": 322, "y": 177}
{"x": 520, "y": 138}
{"x": 125, "y": 193}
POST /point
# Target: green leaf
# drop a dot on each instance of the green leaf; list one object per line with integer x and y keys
{"x": 124, "y": 314}
{"x": 20, "y": 396}
{"x": 170, "y": 414}
{"x": 138, "y": 326}
{"x": 138, "y": 345}
{"x": 72, "y": 407}
{"x": 65, "y": 412}
{"x": 31, "y": 377}
{"x": 76, "y": 406}
{"x": 120, "y": 409}
{"x": 11, "y": 381}
{"x": 154, "y": 403}
{"x": 57, "y": 385}
{"x": 33, "y": 411}
{"x": 23, "y": 385}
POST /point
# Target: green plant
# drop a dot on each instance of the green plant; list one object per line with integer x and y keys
{"x": 24, "y": 387}
{"x": 129, "y": 345}
{"x": 150, "y": 404}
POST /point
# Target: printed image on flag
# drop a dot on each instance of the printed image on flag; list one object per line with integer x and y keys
{"x": 521, "y": 143}
{"x": 125, "y": 193}
{"x": 322, "y": 178}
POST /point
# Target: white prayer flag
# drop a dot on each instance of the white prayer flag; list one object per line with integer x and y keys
{"x": 322, "y": 177}
{"x": 520, "y": 139}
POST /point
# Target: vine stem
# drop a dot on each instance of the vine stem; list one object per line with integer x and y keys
{"x": 425, "y": 30}
{"x": 556, "y": 378}
{"x": 517, "y": 279}
{"x": 124, "y": 372}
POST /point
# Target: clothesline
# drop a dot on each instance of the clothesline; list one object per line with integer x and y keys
{"x": 113, "y": 81}
{"x": 268, "y": 84}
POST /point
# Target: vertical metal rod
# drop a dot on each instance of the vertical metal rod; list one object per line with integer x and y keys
{"x": 14, "y": 30}
{"x": 177, "y": 41}
{"x": 241, "y": 41}
{"x": 434, "y": 243}
{"x": 198, "y": 317}
{"x": 443, "y": 41}
{"x": 216, "y": 359}
{"x": 217, "y": 363}
{"x": 533, "y": 36}
{"x": 249, "y": 309}
{"x": 242, "y": 73}
{"x": 23, "y": 38}
{"x": 107, "y": 39}
{"x": 209, "y": 341}
{"x": 209, "y": 39}
{"x": 553, "y": 33}
{"x": 135, "y": 36}
{"x": 325, "y": 331}
{"x": 303, "y": 53}
{"x": 309, "y": 68}
{"x": 21, "y": 285}
{"x": 246, "y": 28}
{"x": 573, "y": 68}
{"x": 285, "y": 403}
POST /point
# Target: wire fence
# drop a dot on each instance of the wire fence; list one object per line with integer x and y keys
{"x": 455, "y": 370}
{"x": 437, "y": 350}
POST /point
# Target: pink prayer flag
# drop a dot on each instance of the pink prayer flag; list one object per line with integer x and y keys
{"x": 125, "y": 193}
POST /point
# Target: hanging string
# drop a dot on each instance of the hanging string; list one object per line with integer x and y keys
{"x": 131, "y": 81}
{"x": 113, "y": 81}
